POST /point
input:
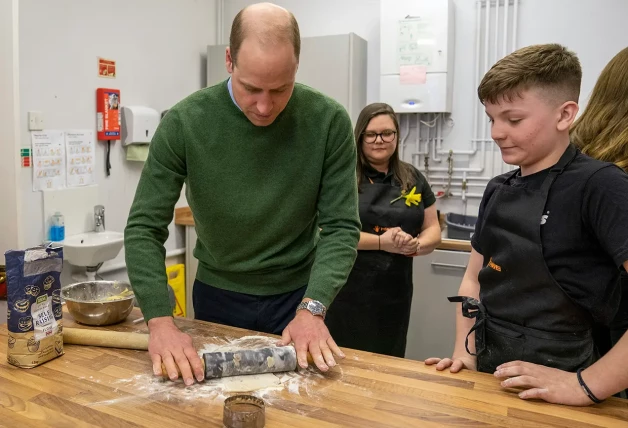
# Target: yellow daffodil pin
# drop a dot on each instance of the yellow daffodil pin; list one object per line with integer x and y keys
{"x": 411, "y": 198}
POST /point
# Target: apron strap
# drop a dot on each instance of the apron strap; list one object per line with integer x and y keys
{"x": 555, "y": 171}
{"x": 473, "y": 308}
{"x": 563, "y": 163}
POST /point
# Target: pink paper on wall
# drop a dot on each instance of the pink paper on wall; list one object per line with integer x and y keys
{"x": 412, "y": 74}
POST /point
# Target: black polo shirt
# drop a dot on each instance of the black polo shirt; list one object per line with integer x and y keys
{"x": 422, "y": 186}
{"x": 584, "y": 230}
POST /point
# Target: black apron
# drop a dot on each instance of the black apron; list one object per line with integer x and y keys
{"x": 523, "y": 313}
{"x": 372, "y": 310}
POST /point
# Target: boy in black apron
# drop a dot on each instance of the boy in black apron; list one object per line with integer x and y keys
{"x": 550, "y": 241}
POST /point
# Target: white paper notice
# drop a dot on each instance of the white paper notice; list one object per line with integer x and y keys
{"x": 416, "y": 42}
{"x": 80, "y": 148}
{"x": 48, "y": 160}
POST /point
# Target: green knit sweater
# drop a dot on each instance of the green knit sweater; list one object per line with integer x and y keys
{"x": 258, "y": 196}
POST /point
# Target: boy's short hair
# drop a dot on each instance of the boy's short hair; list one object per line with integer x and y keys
{"x": 551, "y": 67}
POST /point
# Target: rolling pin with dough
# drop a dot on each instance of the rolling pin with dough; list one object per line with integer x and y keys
{"x": 215, "y": 364}
{"x": 272, "y": 359}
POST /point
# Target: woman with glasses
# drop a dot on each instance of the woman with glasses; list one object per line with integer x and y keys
{"x": 399, "y": 221}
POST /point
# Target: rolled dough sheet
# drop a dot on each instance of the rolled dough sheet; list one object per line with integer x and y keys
{"x": 245, "y": 383}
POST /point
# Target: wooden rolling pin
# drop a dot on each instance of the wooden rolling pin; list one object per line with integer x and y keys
{"x": 104, "y": 338}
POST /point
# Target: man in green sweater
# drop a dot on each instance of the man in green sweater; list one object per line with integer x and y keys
{"x": 269, "y": 168}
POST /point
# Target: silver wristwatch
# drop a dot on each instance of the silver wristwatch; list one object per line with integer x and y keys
{"x": 314, "y": 306}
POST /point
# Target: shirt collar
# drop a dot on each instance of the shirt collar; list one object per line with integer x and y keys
{"x": 230, "y": 87}
{"x": 371, "y": 172}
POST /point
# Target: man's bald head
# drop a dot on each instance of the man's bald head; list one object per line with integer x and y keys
{"x": 269, "y": 24}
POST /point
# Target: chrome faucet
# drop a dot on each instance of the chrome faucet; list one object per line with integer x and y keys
{"x": 99, "y": 218}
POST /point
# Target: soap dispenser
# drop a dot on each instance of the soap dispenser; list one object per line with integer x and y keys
{"x": 57, "y": 227}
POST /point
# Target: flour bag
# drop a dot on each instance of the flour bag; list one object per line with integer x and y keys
{"x": 34, "y": 306}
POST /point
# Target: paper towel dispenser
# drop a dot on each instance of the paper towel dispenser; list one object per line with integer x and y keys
{"x": 138, "y": 124}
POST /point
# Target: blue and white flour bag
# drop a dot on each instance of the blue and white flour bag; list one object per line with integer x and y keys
{"x": 34, "y": 306}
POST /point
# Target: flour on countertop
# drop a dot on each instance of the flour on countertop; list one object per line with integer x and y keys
{"x": 304, "y": 382}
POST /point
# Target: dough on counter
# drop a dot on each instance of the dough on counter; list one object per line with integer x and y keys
{"x": 245, "y": 383}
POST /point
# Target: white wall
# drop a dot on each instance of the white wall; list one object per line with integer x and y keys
{"x": 9, "y": 131}
{"x": 595, "y": 30}
{"x": 159, "y": 46}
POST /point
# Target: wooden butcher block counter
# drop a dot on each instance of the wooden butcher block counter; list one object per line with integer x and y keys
{"x": 105, "y": 387}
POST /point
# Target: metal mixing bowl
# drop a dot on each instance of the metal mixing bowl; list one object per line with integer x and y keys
{"x": 99, "y": 302}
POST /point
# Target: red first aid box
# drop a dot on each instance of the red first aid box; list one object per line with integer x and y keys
{"x": 108, "y": 114}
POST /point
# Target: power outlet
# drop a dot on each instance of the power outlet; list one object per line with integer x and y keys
{"x": 35, "y": 121}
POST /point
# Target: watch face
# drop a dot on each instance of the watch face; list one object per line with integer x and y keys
{"x": 315, "y": 307}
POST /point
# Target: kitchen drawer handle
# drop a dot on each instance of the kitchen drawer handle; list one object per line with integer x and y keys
{"x": 449, "y": 266}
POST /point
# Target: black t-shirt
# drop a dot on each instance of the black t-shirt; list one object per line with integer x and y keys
{"x": 584, "y": 230}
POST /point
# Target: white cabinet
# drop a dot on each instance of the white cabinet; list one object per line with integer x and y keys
{"x": 191, "y": 265}
{"x": 432, "y": 321}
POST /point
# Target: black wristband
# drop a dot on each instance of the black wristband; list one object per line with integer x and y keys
{"x": 586, "y": 389}
{"x": 379, "y": 242}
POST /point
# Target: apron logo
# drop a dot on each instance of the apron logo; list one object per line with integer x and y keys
{"x": 494, "y": 266}
{"x": 378, "y": 229}
{"x": 544, "y": 218}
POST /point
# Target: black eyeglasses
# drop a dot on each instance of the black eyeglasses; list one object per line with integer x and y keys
{"x": 387, "y": 136}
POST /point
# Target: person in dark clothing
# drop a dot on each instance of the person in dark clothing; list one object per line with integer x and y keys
{"x": 549, "y": 242}
{"x": 399, "y": 221}
{"x": 602, "y": 133}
